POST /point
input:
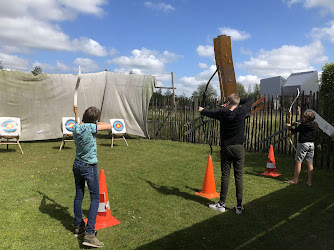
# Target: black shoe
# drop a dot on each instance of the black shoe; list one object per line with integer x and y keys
{"x": 79, "y": 230}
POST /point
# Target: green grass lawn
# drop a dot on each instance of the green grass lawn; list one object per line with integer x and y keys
{"x": 151, "y": 186}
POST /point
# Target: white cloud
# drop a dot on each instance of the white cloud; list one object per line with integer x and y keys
{"x": 205, "y": 50}
{"x": 248, "y": 81}
{"x": 159, "y": 6}
{"x": 188, "y": 84}
{"x": 170, "y": 56}
{"x": 144, "y": 61}
{"x": 86, "y": 64}
{"x": 246, "y": 51}
{"x": 60, "y": 66}
{"x": 14, "y": 62}
{"x": 51, "y": 10}
{"x": 285, "y": 60}
{"x": 325, "y": 5}
{"x": 89, "y": 46}
{"x": 47, "y": 68}
{"x": 93, "y": 7}
{"x": 113, "y": 52}
{"x": 29, "y": 33}
{"x": 202, "y": 65}
{"x": 326, "y": 32}
{"x": 236, "y": 35}
{"x": 28, "y": 25}
{"x": 163, "y": 77}
{"x": 292, "y": 2}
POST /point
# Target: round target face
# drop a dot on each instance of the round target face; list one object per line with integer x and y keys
{"x": 9, "y": 126}
{"x": 69, "y": 125}
{"x": 118, "y": 126}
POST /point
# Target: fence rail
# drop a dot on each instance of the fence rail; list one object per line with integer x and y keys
{"x": 262, "y": 129}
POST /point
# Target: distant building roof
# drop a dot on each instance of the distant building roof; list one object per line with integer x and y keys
{"x": 304, "y": 81}
{"x": 299, "y": 78}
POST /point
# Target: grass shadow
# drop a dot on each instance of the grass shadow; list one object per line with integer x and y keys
{"x": 55, "y": 210}
{"x": 64, "y": 147}
{"x": 58, "y": 212}
{"x": 5, "y": 150}
{"x": 166, "y": 190}
{"x": 273, "y": 223}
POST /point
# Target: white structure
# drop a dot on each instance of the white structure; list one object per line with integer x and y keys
{"x": 41, "y": 101}
{"x": 304, "y": 81}
{"x": 118, "y": 130}
{"x": 67, "y": 129}
{"x": 10, "y": 128}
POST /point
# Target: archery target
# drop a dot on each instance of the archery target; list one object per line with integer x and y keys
{"x": 67, "y": 125}
{"x": 118, "y": 126}
{"x": 10, "y": 126}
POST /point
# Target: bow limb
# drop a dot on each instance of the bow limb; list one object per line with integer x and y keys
{"x": 76, "y": 96}
{"x": 290, "y": 118}
{"x": 202, "y": 118}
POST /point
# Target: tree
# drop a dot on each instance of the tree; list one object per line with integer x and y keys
{"x": 210, "y": 93}
{"x": 1, "y": 66}
{"x": 241, "y": 90}
{"x": 168, "y": 93}
{"x": 256, "y": 93}
{"x": 157, "y": 96}
{"x": 37, "y": 70}
{"x": 327, "y": 88}
{"x": 327, "y": 80}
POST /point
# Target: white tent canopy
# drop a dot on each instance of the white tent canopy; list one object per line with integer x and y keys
{"x": 41, "y": 101}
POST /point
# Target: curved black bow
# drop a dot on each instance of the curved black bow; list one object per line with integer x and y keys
{"x": 202, "y": 118}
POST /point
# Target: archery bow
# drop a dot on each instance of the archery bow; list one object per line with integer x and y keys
{"x": 202, "y": 118}
{"x": 290, "y": 117}
{"x": 76, "y": 97}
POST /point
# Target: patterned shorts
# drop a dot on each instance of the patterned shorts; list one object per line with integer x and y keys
{"x": 305, "y": 151}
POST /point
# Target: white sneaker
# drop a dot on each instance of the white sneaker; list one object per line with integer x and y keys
{"x": 218, "y": 207}
{"x": 238, "y": 209}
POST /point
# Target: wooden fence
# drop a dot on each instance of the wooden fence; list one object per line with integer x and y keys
{"x": 262, "y": 129}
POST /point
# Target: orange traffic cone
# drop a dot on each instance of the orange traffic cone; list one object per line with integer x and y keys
{"x": 104, "y": 218}
{"x": 271, "y": 165}
{"x": 209, "y": 185}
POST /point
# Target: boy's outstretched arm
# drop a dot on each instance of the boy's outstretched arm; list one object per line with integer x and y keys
{"x": 103, "y": 126}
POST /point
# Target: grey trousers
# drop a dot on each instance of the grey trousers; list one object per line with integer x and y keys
{"x": 233, "y": 154}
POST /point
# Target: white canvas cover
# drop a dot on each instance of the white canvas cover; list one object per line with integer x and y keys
{"x": 41, "y": 101}
{"x": 10, "y": 126}
{"x": 118, "y": 126}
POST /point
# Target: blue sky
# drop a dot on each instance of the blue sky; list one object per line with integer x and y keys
{"x": 269, "y": 38}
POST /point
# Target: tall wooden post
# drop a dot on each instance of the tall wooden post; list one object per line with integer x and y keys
{"x": 224, "y": 62}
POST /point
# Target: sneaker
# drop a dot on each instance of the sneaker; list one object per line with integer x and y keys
{"x": 238, "y": 209}
{"x": 79, "y": 230}
{"x": 91, "y": 240}
{"x": 218, "y": 207}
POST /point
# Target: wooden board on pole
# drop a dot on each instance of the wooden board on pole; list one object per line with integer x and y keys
{"x": 224, "y": 62}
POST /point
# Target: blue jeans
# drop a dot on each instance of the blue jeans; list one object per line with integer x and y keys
{"x": 85, "y": 172}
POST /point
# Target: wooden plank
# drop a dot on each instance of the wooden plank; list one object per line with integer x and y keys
{"x": 224, "y": 62}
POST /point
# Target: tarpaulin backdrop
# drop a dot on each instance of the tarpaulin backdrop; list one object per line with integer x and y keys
{"x": 41, "y": 101}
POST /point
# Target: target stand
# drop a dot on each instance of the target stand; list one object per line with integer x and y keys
{"x": 118, "y": 131}
{"x": 10, "y": 128}
{"x": 67, "y": 129}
